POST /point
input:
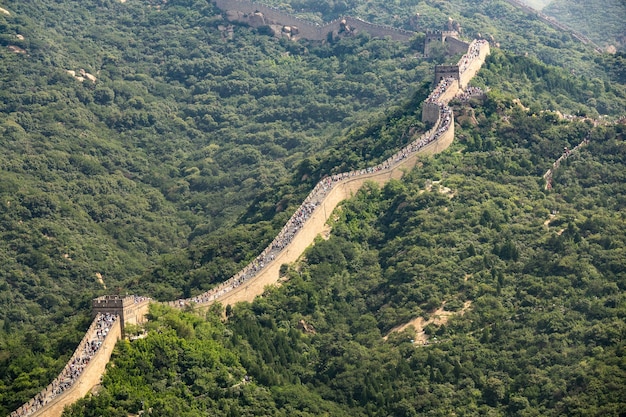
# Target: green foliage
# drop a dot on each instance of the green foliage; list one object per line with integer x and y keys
{"x": 152, "y": 179}
{"x": 183, "y": 368}
{"x": 191, "y": 150}
{"x": 398, "y": 252}
{"x": 497, "y": 20}
{"x": 545, "y": 87}
{"x": 543, "y": 335}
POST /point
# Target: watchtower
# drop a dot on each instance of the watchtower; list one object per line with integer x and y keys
{"x": 131, "y": 309}
{"x": 433, "y": 37}
{"x": 446, "y": 71}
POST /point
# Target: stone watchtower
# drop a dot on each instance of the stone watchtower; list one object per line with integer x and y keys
{"x": 434, "y": 37}
{"x": 450, "y": 38}
{"x": 131, "y": 309}
{"x": 447, "y": 71}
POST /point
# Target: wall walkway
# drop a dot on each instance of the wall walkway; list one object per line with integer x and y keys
{"x": 308, "y": 221}
{"x": 315, "y": 224}
{"x": 82, "y": 372}
{"x": 554, "y": 23}
{"x": 566, "y": 154}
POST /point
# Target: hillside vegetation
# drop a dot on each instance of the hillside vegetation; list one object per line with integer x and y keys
{"x": 183, "y": 129}
{"x": 544, "y": 273}
{"x": 197, "y": 140}
{"x": 600, "y": 20}
{"x": 513, "y": 29}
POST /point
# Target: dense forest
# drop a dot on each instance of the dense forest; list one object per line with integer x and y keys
{"x": 151, "y": 147}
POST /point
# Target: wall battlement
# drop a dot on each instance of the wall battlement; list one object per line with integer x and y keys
{"x": 446, "y": 71}
{"x": 131, "y": 309}
{"x": 285, "y": 248}
{"x": 450, "y": 38}
{"x": 81, "y": 373}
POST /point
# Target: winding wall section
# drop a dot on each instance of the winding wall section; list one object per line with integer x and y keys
{"x": 566, "y": 154}
{"x": 554, "y": 23}
{"x": 94, "y": 351}
{"x": 81, "y": 373}
{"x": 309, "y": 219}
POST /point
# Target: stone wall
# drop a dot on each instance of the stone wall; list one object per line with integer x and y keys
{"x": 89, "y": 377}
{"x": 316, "y": 223}
{"x": 134, "y": 309}
{"x": 262, "y": 271}
{"x": 306, "y": 29}
{"x": 475, "y": 63}
{"x": 379, "y": 31}
{"x": 449, "y": 37}
{"x": 455, "y": 45}
{"x": 430, "y": 112}
{"x": 450, "y": 92}
{"x": 137, "y": 312}
{"x": 131, "y": 309}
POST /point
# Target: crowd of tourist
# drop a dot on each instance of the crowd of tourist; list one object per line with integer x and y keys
{"x": 100, "y": 327}
{"x": 94, "y": 337}
{"x": 305, "y": 211}
{"x": 140, "y": 299}
{"x": 469, "y": 93}
{"x": 439, "y": 89}
{"x": 313, "y": 200}
{"x": 472, "y": 52}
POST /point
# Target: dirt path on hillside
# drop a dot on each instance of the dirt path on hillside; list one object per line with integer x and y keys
{"x": 438, "y": 317}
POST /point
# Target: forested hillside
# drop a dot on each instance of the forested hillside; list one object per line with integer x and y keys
{"x": 513, "y": 29}
{"x": 154, "y": 148}
{"x": 544, "y": 273}
{"x": 600, "y": 20}
{"x": 181, "y": 130}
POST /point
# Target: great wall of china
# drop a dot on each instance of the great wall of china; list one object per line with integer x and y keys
{"x": 257, "y": 14}
{"x": 565, "y": 155}
{"x": 86, "y": 367}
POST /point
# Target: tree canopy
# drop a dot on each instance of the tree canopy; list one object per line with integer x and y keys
{"x": 155, "y": 148}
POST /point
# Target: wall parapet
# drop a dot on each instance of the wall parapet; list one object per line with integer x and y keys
{"x": 565, "y": 155}
{"x": 132, "y": 309}
{"x": 443, "y": 124}
{"x": 443, "y": 119}
{"x": 76, "y": 378}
